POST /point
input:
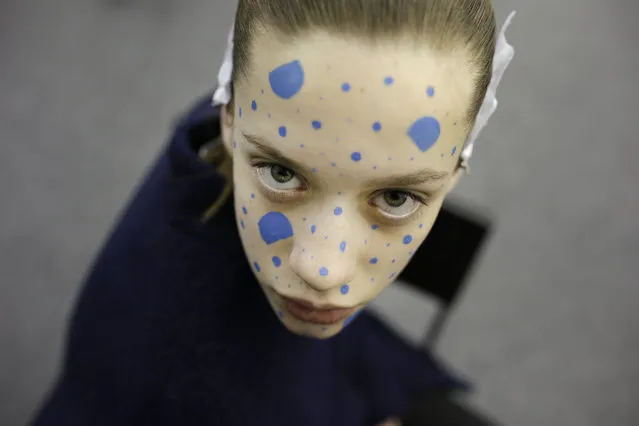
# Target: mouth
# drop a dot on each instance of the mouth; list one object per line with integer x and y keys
{"x": 316, "y": 314}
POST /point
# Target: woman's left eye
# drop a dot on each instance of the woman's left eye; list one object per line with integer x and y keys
{"x": 278, "y": 177}
{"x": 397, "y": 203}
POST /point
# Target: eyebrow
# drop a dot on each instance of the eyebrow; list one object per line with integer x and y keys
{"x": 412, "y": 179}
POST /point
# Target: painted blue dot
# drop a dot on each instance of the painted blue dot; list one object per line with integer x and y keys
{"x": 424, "y": 132}
{"x": 240, "y": 112}
{"x": 346, "y": 87}
{"x": 421, "y": 225}
{"x": 342, "y": 246}
{"x": 317, "y": 124}
{"x": 244, "y": 210}
{"x": 234, "y": 144}
{"x": 373, "y": 261}
{"x": 254, "y": 105}
{"x": 345, "y": 289}
{"x": 374, "y": 227}
{"x": 275, "y": 226}
{"x": 377, "y": 126}
{"x": 252, "y": 195}
{"x": 350, "y": 319}
{"x": 242, "y": 223}
{"x": 257, "y": 266}
{"x": 281, "y": 314}
{"x": 314, "y": 170}
{"x": 430, "y": 91}
{"x": 277, "y": 262}
{"x": 338, "y": 211}
{"x": 287, "y": 80}
{"x": 393, "y": 261}
{"x": 388, "y": 81}
{"x": 313, "y": 229}
{"x": 408, "y": 239}
{"x": 454, "y": 151}
{"x": 333, "y": 164}
{"x": 323, "y": 271}
{"x": 282, "y": 131}
{"x": 356, "y": 156}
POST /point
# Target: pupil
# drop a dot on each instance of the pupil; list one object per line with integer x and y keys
{"x": 281, "y": 174}
{"x": 395, "y": 198}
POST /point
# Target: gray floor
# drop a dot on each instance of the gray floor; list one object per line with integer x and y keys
{"x": 549, "y": 327}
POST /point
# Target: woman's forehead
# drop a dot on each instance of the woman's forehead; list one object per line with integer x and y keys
{"x": 358, "y": 105}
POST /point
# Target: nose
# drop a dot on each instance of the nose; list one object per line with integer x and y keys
{"x": 325, "y": 256}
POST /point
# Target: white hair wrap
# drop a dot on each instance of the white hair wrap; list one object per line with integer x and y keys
{"x": 504, "y": 53}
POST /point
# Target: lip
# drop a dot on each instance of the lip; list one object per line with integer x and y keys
{"x": 316, "y": 314}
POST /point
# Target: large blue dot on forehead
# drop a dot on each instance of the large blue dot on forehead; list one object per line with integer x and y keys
{"x": 425, "y": 132}
{"x": 275, "y": 226}
{"x": 287, "y": 80}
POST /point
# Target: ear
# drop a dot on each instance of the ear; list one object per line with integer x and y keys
{"x": 227, "y": 117}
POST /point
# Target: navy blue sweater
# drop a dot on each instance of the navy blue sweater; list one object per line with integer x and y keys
{"x": 156, "y": 337}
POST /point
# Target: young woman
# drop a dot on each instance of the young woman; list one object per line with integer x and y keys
{"x": 339, "y": 127}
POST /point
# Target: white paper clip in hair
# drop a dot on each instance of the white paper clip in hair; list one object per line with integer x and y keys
{"x": 222, "y": 95}
{"x": 504, "y": 53}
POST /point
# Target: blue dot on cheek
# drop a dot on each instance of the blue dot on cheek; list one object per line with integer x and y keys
{"x": 388, "y": 81}
{"x": 342, "y": 246}
{"x": 346, "y": 87}
{"x": 345, "y": 289}
{"x": 377, "y": 126}
{"x": 323, "y": 271}
{"x": 317, "y": 124}
{"x": 244, "y": 210}
{"x": 277, "y": 262}
{"x": 257, "y": 266}
{"x": 373, "y": 261}
{"x": 424, "y": 133}
{"x": 338, "y": 211}
{"x": 430, "y": 91}
{"x": 313, "y": 229}
{"x": 408, "y": 239}
{"x": 275, "y": 226}
{"x": 287, "y": 80}
{"x": 356, "y": 156}
{"x": 254, "y": 105}
{"x": 282, "y": 131}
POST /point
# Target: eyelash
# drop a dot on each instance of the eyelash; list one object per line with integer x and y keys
{"x": 277, "y": 195}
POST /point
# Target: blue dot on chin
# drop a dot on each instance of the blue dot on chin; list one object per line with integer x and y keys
{"x": 244, "y": 210}
{"x": 388, "y": 81}
{"x": 377, "y": 126}
{"x": 313, "y": 229}
{"x": 240, "y": 112}
{"x": 374, "y": 227}
{"x": 253, "y": 105}
{"x": 454, "y": 151}
{"x": 317, "y": 124}
{"x": 346, "y": 87}
{"x": 345, "y": 289}
{"x": 274, "y": 227}
{"x": 257, "y": 266}
{"x": 281, "y": 314}
{"x": 338, "y": 211}
{"x": 282, "y": 131}
{"x": 425, "y": 132}
{"x": 323, "y": 271}
{"x": 277, "y": 262}
{"x": 430, "y": 91}
{"x": 252, "y": 195}
{"x": 287, "y": 80}
{"x": 356, "y": 156}
{"x": 408, "y": 239}
{"x": 373, "y": 261}
{"x": 342, "y": 246}
{"x": 242, "y": 223}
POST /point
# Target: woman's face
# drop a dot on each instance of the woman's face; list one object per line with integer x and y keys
{"x": 343, "y": 153}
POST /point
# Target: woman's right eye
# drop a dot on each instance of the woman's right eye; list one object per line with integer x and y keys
{"x": 278, "y": 178}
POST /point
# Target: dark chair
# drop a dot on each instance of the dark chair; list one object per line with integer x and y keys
{"x": 440, "y": 268}
{"x": 441, "y": 265}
